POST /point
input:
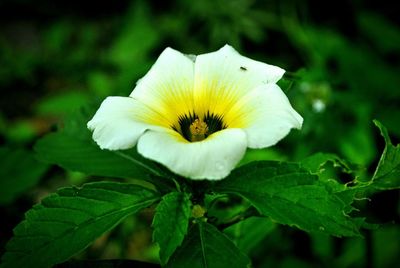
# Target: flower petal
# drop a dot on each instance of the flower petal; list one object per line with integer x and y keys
{"x": 114, "y": 125}
{"x": 266, "y": 116}
{"x": 212, "y": 158}
{"x": 168, "y": 87}
{"x": 224, "y": 76}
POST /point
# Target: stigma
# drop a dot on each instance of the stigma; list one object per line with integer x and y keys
{"x": 198, "y": 130}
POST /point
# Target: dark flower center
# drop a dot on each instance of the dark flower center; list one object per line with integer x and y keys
{"x": 193, "y": 128}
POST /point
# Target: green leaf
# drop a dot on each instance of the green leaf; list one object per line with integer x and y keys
{"x": 171, "y": 223}
{"x": 387, "y": 173}
{"x": 358, "y": 146}
{"x": 73, "y": 148}
{"x": 85, "y": 156}
{"x": 62, "y": 104}
{"x": 206, "y": 247}
{"x": 247, "y": 234}
{"x": 315, "y": 162}
{"x": 67, "y": 222}
{"x": 114, "y": 263}
{"x": 318, "y": 164}
{"x": 20, "y": 131}
{"x": 261, "y": 154}
{"x": 290, "y": 195}
{"x": 19, "y": 171}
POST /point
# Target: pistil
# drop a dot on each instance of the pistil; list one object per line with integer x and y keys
{"x": 198, "y": 130}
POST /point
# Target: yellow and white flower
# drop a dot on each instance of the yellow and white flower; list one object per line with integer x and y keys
{"x": 197, "y": 115}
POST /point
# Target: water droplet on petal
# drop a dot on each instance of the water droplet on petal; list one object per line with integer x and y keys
{"x": 220, "y": 165}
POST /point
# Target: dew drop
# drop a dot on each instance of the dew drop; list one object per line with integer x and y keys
{"x": 220, "y": 165}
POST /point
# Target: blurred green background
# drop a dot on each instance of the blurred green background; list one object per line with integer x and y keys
{"x": 343, "y": 63}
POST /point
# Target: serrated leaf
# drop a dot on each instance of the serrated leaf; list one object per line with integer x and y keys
{"x": 387, "y": 173}
{"x": 65, "y": 223}
{"x": 171, "y": 223}
{"x": 290, "y": 195}
{"x": 315, "y": 162}
{"x": 206, "y": 247}
{"x": 19, "y": 171}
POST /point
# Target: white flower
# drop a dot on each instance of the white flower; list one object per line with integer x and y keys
{"x": 197, "y": 115}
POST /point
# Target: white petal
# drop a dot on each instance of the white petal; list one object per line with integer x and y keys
{"x": 168, "y": 87}
{"x": 224, "y": 76}
{"x": 266, "y": 116}
{"x": 114, "y": 125}
{"x": 212, "y": 158}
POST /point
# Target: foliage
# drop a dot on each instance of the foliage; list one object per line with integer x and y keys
{"x": 286, "y": 193}
{"x": 25, "y": 170}
{"x": 387, "y": 174}
{"x": 171, "y": 222}
{"x": 290, "y": 195}
{"x": 66, "y": 222}
{"x": 205, "y": 246}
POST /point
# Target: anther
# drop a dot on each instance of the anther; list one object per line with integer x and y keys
{"x": 198, "y": 130}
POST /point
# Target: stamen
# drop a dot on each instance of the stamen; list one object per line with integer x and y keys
{"x": 198, "y": 130}
{"x": 194, "y": 128}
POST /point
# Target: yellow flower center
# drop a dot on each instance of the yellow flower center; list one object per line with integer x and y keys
{"x": 198, "y": 130}
{"x": 194, "y": 128}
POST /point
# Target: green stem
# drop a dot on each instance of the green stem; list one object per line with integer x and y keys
{"x": 198, "y": 189}
{"x": 240, "y": 217}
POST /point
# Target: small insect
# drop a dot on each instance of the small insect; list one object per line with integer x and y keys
{"x": 243, "y": 68}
